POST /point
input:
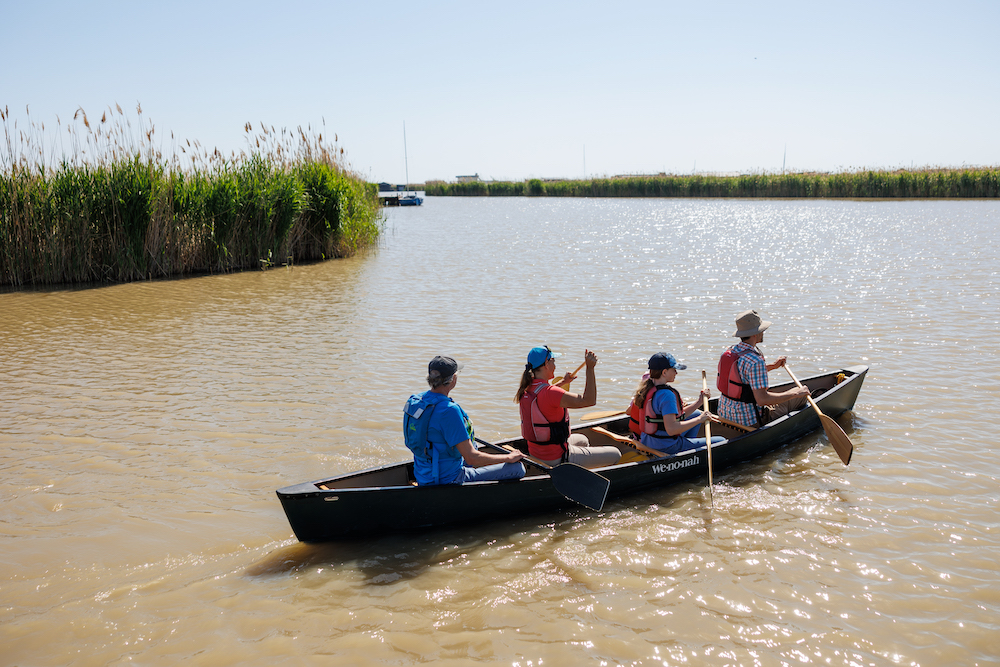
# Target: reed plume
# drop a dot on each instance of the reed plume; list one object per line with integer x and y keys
{"x": 109, "y": 206}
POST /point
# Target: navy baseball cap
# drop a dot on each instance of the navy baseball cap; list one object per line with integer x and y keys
{"x": 444, "y": 367}
{"x": 662, "y": 361}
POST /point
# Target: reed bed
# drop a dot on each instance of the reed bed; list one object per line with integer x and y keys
{"x": 100, "y": 202}
{"x": 917, "y": 184}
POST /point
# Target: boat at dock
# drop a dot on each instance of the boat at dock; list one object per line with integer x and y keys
{"x": 401, "y": 197}
{"x": 409, "y": 199}
{"x": 386, "y": 500}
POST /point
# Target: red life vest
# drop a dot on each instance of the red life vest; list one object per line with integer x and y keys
{"x": 729, "y": 381}
{"x": 637, "y": 413}
{"x": 642, "y": 419}
{"x": 635, "y": 416}
{"x": 535, "y": 426}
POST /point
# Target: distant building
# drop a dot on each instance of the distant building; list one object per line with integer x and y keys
{"x": 468, "y": 179}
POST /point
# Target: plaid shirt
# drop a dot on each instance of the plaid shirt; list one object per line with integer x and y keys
{"x": 753, "y": 371}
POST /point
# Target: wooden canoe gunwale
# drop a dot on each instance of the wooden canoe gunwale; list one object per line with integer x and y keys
{"x": 394, "y": 504}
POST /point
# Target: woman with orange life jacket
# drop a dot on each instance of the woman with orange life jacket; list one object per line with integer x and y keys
{"x": 545, "y": 415}
{"x": 658, "y": 412}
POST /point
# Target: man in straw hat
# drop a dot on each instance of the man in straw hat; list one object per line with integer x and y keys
{"x": 746, "y": 398}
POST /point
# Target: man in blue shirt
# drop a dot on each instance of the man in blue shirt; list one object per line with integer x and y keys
{"x": 440, "y": 434}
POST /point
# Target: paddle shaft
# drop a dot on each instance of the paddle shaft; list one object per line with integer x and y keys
{"x": 578, "y": 369}
{"x": 530, "y": 459}
{"x": 708, "y": 436}
{"x": 841, "y": 443}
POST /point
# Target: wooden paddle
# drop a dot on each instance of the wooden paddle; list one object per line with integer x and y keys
{"x": 629, "y": 442}
{"x": 601, "y": 414}
{"x": 841, "y": 443}
{"x": 573, "y": 481}
{"x": 573, "y": 376}
{"x": 708, "y": 436}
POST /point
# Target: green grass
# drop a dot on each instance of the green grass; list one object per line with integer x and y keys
{"x": 919, "y": 184}
{"x": 112, "y": 208}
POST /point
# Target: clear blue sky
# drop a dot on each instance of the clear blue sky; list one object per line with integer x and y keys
{"x": 516, "y": 89}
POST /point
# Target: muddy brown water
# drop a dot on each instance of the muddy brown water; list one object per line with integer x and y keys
{"x": 145, "y": 427}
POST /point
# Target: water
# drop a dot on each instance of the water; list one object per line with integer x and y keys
{"x": 144, "y": 428}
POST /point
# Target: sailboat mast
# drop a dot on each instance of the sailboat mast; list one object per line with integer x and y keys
{"x": 406, "y": 161}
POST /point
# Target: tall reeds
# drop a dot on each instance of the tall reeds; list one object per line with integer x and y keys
{"x": 918, "y": 184}
{"x": 100, "y": 202}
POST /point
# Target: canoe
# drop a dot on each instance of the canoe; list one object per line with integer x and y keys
{"x": 386, "y": 500}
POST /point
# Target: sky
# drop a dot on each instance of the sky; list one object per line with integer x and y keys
{"x": 519, "y": 90}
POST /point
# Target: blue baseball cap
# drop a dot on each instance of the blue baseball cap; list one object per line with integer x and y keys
{"x": 539, "y": 355}
{"x": 662, "y": 361}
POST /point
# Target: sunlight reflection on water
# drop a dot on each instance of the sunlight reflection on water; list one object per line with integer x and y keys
{"x": 146, "y": 426}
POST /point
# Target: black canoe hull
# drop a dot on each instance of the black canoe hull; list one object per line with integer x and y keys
{"x": 384, "y": 500}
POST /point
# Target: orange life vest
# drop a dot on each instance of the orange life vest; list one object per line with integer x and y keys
{"x": 729, "y": 381}
{"x": 642, "y": 419}
{"x": 535, "y": 426}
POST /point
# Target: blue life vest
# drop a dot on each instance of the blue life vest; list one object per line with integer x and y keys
{"x": 427, "y": 457}
{"x": 416, "y": 421}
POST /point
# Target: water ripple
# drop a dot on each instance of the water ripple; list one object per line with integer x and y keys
{"x": 144, "y": 428}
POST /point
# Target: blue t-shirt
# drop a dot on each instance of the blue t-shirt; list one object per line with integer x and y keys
{"x": 449, "y": 425}
{"x": 664, "y": 403}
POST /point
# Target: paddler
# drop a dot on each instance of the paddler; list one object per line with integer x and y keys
{"x": 746, "y": 398}
{"x": 545, "y": 416}
{"x": 658, "y": 413}
{"x": 439, "y": 433}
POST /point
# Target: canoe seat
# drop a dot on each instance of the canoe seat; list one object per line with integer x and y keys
{"x": 633, "y": 456}
{"x": 739, "y": 427}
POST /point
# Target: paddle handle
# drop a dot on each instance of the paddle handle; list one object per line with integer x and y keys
{"x": 578, "y": 369}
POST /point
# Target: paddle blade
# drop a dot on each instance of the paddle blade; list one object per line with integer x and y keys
{"x": 601, "y": 414}
{"x": 841, "y": 443}
{"x": 581, "y": 485}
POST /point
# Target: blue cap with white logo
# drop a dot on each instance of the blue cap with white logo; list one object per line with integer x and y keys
{"x": 539, "y": 355}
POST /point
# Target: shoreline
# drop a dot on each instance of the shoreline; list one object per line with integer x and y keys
{"x": 970, "y": 183}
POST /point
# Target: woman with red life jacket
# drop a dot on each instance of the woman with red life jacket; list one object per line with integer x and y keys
{"x": 658, "y": 414}
{"x": 545, "y": 417}
{"x": 746, "y": 398}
